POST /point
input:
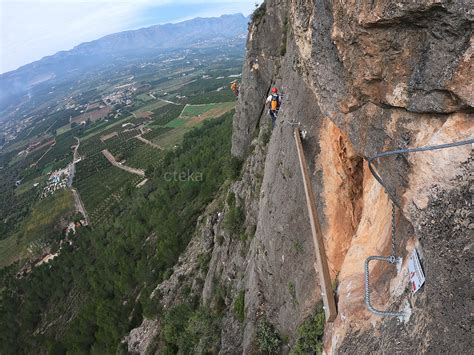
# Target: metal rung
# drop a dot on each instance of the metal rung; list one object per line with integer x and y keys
{"x": 391, "y": 260}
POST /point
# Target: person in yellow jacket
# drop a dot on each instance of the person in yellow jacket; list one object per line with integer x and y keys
{"x": 234, "y": 86}
{"x": 274, "y": 102}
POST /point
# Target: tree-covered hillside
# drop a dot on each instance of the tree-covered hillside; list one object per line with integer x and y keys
{"x": 98, "y": 288}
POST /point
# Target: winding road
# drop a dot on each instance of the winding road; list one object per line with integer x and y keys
{"x": 77, "y": 198}
{"x": 112, "y": 160}
{"x": 75, "y": 158}
{"x": 80, "y": 205}
{"x": 146, "y": 141}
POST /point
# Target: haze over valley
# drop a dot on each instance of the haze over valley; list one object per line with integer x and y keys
{"x": 297, "y": 181}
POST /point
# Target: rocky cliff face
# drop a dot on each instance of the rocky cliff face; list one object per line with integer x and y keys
{"x": 360, "y": 77}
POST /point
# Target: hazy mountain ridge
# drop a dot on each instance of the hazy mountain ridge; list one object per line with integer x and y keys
{"x": 171, "y": 35}
{"x": 216, "y": 30}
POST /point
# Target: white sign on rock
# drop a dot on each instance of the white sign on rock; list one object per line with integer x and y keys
{"x": 417, "y": 277}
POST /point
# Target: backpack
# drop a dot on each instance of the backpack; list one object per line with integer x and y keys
{"x": 275, "y": 103}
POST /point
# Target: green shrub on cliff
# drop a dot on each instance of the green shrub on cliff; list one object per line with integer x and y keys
{"x": 259, "y": 13}
{"x": 239, "y": 306}
{"x": 268, "y": 339}
{"x": 235, "y": 218}
{"x": 188, "y": 331}
{"x": 114, "y": 262}
{"x": 310, "y": 334}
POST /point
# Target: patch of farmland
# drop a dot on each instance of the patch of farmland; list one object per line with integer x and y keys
{"x": 156, "y": 132}
{"x": 144, "y": 114}
{"x": 151, "y": 106}
{"x": 29, "y": 186}
{"x": 129, "y": 134}
{"x": 171, "y": 138}
{"x": 186, "y": 124}
{"x": 41, "y": 224}
{"x": 106, "y": 137}
{"x": 194, "y": 110}
{"x": 63, "y": 129}
{"x": 144, "y": 157}
{"x": 47, "y": 169}
{"x": 98, "y": 181}
{"x": 199, "y": 113}
{"x": 102, "y": 212}
{"x": 122, "y": 149}
{"x": 92, "y": 115}
{"x": 178, "y": 83}
{"x": 214, "y": 112}
{"x": 214, "y": 96}
{"x": 91, "y": 146}
{"x": 104, "y": 128}
{"x": 144, "y": 97}
{"x": 166, "y": 114}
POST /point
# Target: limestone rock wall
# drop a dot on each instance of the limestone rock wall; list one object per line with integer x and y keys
{"x": 360, "y": 77}
{"x": 363, "y": 77}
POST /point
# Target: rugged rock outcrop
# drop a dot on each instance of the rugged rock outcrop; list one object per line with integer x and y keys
{"x": 360, "y": 77}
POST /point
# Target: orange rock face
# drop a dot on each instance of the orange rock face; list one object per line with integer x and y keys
{"x": 342, "y": 180}
{"x": 363, "y": 77}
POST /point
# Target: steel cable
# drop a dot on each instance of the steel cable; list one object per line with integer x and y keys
{"x": 392, "y": 259}
{"x": 408, "y": 150}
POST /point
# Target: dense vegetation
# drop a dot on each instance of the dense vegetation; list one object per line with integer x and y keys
{"x": 98, "y": 288}
{"x": 102, "y": 186}
{"x": 38, "y": 228}
{"x": 189, "y": 329}
{"x": 16, "y": 202}
{"x": 268, "y": 339}
{"x": 235, "y": 217}
{"x": 166, "y": 114}
{"x": 310, "y": 334}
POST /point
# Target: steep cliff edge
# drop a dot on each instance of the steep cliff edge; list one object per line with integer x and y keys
{"x": 360, "y": 77}
{"x": 364, "y": 77}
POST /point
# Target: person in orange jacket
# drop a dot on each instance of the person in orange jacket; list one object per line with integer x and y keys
{"x": 274, "y": 102}
{"x": 234, "y": 86}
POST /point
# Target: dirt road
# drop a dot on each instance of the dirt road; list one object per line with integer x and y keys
{"x": 80, "y": 205}
{"x": 144, "y": 140}
{"x": 76, "y": 158}
{"x": 72, "y": 166}
{"x": 112, "y": 160}
{"x": 169, "y": 102}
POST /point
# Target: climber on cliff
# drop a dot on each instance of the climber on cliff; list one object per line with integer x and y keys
{"x": 234, "y": 86}
{"x": 274, "y": 102}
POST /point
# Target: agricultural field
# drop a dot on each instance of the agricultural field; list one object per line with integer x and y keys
{"x": 93, "y": 115}
{"x": 101, "y": 185}
{"x": 64, "y": 129}
{"x": 60, "y": 153}
{"x": 122, "y": 149}
{"x": 207, "y": 110}
{"x": 151, "y": 105}
{"x": 166, "y": 114}
{"x": 156, "y": 131}
{"x": 191, "y": 117}
{"x": 28, "y": 187}
{"x": 144, "y": 98}
{"x": 90, "y": 220}
{"x": 137, "y": 120}
{"x": 144, "y": 157}
{"x": 37, "y": 228}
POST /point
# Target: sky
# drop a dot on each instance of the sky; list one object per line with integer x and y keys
{"x": 32, "y": 29}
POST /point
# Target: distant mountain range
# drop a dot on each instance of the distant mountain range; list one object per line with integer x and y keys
{"x": 179, "y": 35}
{"x": 87, "y": 55}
